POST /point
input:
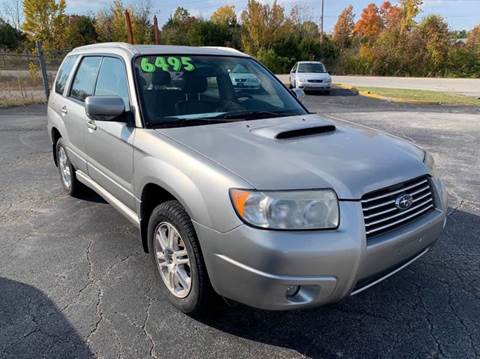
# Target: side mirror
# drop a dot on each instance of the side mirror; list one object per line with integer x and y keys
{"x": 105, "y": 108}
{"x": 298, "y": 93}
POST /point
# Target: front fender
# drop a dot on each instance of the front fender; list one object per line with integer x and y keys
{"x": 200, "y": 185}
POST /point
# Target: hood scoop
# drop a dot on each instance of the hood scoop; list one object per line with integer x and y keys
{"x": 295, "y": 130}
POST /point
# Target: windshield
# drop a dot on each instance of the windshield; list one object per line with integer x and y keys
{"x": 185, "y": 90}
{"x": 313, "y": 67}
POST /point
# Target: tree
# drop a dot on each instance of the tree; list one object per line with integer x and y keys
{"x": 436, "y": 42}
{"x": 110, "y": 23}
{"x": 45, "y": 21}
{"x": 263, "y": 25}
{"x": 175, "y": 30}
{"x": 80, "y": 31}
{"x": 225, "y": 15}
{"x": 343, "y": 30}
{"x": 142, "y": 27}
{"x": 410, "y": 9}
{"x": 103, "y": 26}
{"x": 370, "y": 23}
{"x": 10, "y": 38}
{"x": 181, "y": 16}
{"x": 207, "y": 33}
{"x": 473, "y": 39}
{"x": 391, "y": 15}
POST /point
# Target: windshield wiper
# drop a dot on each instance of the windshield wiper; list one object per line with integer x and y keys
{"x": 254, "y": 115}
{"x": 183, "y": 122}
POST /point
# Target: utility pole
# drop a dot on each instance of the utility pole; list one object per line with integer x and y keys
{"x": 156, "y": 30}
{"x": 128, "y": 26}
{"x": 43, "y": 67}
{"x": 321, "y": 20}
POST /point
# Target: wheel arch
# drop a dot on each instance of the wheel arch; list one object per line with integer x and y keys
{"x": 55, "y": 136}
{"x": 152, "y": 195}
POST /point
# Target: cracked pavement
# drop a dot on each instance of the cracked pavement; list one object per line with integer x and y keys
{"x": 75, "y": 282}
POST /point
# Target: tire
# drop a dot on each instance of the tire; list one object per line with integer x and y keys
{"x": 66, "y": 170}
{"x": 195, "y": 299}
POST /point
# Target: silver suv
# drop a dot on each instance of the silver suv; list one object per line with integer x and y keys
{"x": 239, "y": 192}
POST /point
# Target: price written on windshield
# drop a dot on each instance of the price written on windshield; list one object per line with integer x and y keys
{"x": 170, "y": 63}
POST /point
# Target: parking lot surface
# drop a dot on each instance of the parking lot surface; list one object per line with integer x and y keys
{"x": 75, "y": 282}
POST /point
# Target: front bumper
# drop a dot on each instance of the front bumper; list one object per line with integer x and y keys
{"x": 315, "y": 86}
{"x": 255, "y": 267}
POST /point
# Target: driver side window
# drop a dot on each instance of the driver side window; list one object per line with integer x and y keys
{"x": 112, "y": 80}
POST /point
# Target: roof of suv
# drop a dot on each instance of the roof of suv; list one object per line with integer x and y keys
{"x": 133, "y": 50}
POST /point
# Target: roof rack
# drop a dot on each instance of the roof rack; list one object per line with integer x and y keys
{"x": 101, "y": 45}
{"x": 231, "y": 49}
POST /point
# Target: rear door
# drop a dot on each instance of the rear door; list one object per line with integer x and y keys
{"x": 73, "y": 109}
{"x": 108, "y": 143}
{"x": 58, "y": 107}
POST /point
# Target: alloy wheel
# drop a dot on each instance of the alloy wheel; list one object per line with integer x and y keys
{"x": 64, "y": 167}
{"x": 172, "y": 260}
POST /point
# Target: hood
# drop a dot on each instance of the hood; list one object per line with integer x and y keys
{"x": 305, "y": 152}
{"x": 313, "y": 76}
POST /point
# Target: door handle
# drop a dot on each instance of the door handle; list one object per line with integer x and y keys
{"x": 91, "y": 125}
{"x": 64, "y": 110}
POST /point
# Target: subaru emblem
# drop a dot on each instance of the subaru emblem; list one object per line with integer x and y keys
{"x": 404, "y": 202}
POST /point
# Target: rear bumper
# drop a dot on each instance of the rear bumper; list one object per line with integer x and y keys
{"x": 255, "y": 267}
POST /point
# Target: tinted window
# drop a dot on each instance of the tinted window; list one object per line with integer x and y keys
{"x": 311, "y": 67}
{"x": 189, "y": 90}
{"x": 112, "y": 79}
{"x": 84, "y": 82}
{"x": 63, "y": 73}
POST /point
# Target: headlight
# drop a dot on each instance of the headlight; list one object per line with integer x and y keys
{"x": 289, "y": 210}
{"x": 430, "y": 163}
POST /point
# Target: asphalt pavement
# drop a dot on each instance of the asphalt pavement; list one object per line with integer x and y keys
{"x": 75, "y": 282}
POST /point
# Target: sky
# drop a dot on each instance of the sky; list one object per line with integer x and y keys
{"x": 460, "y": 14}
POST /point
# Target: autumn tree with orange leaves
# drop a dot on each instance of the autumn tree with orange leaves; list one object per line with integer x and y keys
{"x": 343, "y": 30}
{"x": 370, "y": 23}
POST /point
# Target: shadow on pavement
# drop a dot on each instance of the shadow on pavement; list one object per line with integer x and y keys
{"x": 31, "y": 325}
{"x": 89, "y": 195}
{"x": 335, "y": 91}
{"x": 408, "y": 314}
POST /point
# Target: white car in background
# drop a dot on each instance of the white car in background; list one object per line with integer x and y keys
{"x": 243, "y": 79}
{"x": 310, "y": 76}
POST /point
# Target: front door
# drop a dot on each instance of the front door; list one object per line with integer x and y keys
{"x": 108, "y": 143}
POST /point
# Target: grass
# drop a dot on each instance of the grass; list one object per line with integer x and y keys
{"x": 10, "y": 102}
{"x": 418, "y": 96}
{"x": 20, "y": 90}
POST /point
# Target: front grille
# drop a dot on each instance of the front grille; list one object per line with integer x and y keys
{"x": 315, "y": 81}
{"x": 380, "y": 212}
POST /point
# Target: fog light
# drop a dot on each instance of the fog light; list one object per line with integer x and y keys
{"x": 292, "y": 290}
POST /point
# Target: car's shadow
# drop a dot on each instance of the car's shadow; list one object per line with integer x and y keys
{"x": 335, "y": 91}
{"x": 424, "y": 310}
{"x": 89, "y": 195}
{"x": 32, "y": 326}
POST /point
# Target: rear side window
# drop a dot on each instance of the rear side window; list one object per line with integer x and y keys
{"x": 63, "y": 74}
{"x": 85, "y": 78}
{"x": 112, "y": 79}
